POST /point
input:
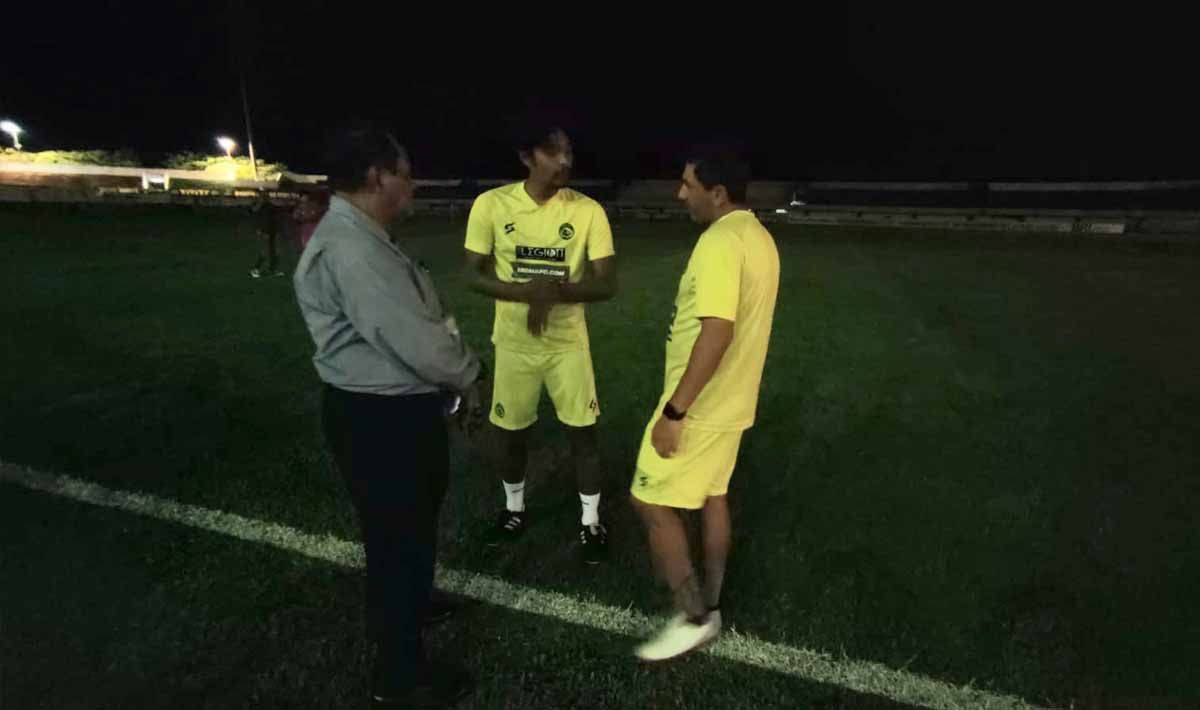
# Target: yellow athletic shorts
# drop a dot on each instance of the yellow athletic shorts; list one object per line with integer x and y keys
{"x": 701, "y": 467}
{"x": 517, "y": 388}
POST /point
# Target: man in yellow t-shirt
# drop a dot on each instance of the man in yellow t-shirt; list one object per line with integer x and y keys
{"x": 543, "y": 250}
{"x": 716, "y": 348}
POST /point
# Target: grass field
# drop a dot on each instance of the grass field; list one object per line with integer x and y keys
{"x": 977, "y": 460}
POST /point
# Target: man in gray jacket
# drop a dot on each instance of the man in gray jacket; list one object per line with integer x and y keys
{"x": 393, "y": 365}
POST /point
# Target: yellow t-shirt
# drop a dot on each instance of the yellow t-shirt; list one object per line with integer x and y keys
{"x": 532, "y": 241}
{"x": 733, "y": 274}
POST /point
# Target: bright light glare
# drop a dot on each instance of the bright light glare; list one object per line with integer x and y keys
{"x": 13, "y": 130}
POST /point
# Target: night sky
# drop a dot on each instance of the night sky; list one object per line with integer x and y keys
{"x": 835, "y": 93}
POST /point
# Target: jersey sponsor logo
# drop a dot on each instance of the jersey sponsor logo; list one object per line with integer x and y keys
{"x": 539, "y": 271}
{"x": 542, "y": 253}
{"x": 566, "y": 230}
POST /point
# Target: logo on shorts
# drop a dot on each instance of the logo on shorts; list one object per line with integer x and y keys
{"x": 566, "y": 231}
{"x": 510, "y": 227}
{"x": 499, "y": 410}
{"x": 594, "y": 406}
{"x": 643, "y": 480}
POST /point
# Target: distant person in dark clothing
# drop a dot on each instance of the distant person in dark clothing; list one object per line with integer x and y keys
{"x": 268, "y": 224}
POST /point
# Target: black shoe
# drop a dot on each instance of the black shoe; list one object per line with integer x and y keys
{"x": 593, "y": 540}
{"x": 508, "y": 528}
{"x": 442, "y": 606}
{"x": 438, "y": 686}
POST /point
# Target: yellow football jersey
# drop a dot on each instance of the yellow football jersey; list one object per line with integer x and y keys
{"x": 733, "y": 274}
{"x": 531, "y": 241}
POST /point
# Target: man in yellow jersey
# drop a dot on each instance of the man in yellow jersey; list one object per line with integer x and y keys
{"x": 543, "y": 250}
{"x": 716, "y": 348}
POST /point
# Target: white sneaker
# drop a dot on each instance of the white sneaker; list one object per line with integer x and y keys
{"x": 678, "y": 637}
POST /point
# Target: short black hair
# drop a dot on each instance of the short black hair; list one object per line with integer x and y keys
{"x": 355, "y": 148}
{"x": 722, "y": 165}
{"x": 534, "y": 129}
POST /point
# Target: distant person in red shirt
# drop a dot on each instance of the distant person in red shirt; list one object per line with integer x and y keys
{"x": 308, "y": 213}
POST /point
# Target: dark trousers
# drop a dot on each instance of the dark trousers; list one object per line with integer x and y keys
{"x": 393, "y": 453}
{"x": 269, "y": 256}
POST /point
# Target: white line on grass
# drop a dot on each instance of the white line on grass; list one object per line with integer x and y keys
{"x": 859, "y": 676}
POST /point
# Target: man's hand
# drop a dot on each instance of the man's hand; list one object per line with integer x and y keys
{"x": 470, "y": 410}
{"x": 539, "y": 313}
{"x": 542, "y": 294}
{"x": 665, "y": 436}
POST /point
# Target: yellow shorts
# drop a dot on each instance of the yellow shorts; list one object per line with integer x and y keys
{"x": 700, "y": 468}
{"x": 517, "y": 388}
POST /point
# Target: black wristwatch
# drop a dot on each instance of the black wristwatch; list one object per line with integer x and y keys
{"x": 670, "y": 412}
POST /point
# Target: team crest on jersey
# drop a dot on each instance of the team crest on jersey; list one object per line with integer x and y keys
{"x": 566, "y": 231}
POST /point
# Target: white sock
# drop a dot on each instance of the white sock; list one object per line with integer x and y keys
{"x": 591, "y": 509}
{"x": 514, "y": 496}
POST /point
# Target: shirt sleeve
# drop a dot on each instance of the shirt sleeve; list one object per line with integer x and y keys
{"x": 480, "y": 238}
{"x": 600, "y": 238}
{"x": 717, "y": 265}
{"x": 385, "y": 306}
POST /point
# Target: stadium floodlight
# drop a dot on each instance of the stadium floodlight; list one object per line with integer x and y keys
{"x": 227, "y": 144}
{"x": 13, "y": 130}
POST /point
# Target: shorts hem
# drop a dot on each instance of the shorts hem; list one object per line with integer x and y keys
{"x": 508, "y": 426}
{"x": 665, "y": 500}
{"x": 578, "y": 425}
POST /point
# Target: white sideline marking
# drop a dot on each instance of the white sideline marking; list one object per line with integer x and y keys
{"x": 859, "y": 676}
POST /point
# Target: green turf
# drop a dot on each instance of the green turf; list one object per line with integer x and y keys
{"x": 976, "y": 458}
